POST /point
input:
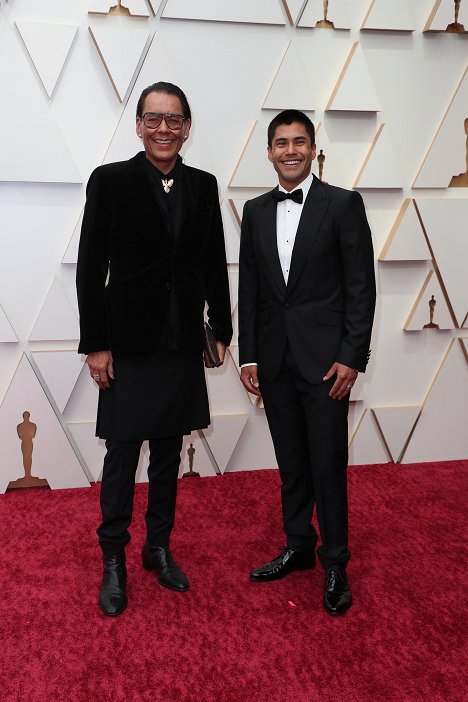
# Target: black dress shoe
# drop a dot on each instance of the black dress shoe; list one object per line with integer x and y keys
{"x": 337, "y": 596}
{"x": 112, "y": 595}
{"x": 284, "y": 564}
{"x": 160, "y": 559}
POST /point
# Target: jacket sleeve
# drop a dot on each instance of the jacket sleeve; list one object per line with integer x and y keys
{"x": 358, "y": 280}
{"x": 92, "y": 267}
{"x": 248, "y": 293}
{"x": 216, "y": 276}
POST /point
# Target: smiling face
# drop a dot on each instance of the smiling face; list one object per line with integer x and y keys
{"x": 162, "y": 144}
{"x": 291, "y": 154}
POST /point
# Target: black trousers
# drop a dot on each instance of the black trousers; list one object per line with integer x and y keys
{"x": 117, "y": 490}
{"x": 310, "y": 436}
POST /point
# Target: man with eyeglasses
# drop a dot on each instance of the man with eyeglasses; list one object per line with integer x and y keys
{"x": 151, "y": 254}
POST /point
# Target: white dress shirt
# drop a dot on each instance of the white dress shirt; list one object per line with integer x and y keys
{"x": 288, "y": 214}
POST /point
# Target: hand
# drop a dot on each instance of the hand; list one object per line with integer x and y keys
{"x": 221, "y": 348}
{"x": 249, "y": 378}
{"x": 345, "y": 379}
{"x": 101, "y": 367}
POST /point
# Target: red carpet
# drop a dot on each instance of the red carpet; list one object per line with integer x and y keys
{"x": 229, "y": 640}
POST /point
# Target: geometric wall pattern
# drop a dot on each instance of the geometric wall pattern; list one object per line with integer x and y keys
{"x": 71, "y": 80}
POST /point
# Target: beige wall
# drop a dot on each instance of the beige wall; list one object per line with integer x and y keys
{"x": 389, "y": 100}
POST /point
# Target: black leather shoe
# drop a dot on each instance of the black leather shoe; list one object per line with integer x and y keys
{"x": 283, "y": 564}
{"x": 337, "y": 596}
{"x": 112, "y": 595}
{"x": 160, "y": 559}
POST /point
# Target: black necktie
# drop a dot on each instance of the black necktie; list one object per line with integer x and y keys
{"x": 296, "y": 195}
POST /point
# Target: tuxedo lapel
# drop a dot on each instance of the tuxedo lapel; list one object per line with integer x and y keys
{"x": 313, "y": 212}
{"x": 267, "y": 232}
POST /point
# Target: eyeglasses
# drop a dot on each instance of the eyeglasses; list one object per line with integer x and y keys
{"x": 152, "y": 120}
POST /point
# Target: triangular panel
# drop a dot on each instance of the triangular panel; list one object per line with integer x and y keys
{"x": 133, "y": 8}
{"x": 120, "y": 65}
{"x": 290, "y": 85}
{"x": 125, "y": 142}
{"x": 57, "y": 320}
{"x": 440, "y": 434}
{"x": 48, "y": 46}
{"x": 314, "y": 16}
{"x": 52, "y": 456}
{"x": 258, "y": 12}
{"x": 294, "y": 10}
{"x": 446, "y": 225}
{"x": 24, "y": 156}
{"x": 367, "y": 445}
{"x": 60, "y": 370}
{"x": 7, "y": 333}
{"x": 395, "y": 425}
{"x": 354, "y": 89}
{"x": 238, "y": 208}
{"x": 331, "y": 164}
{"x": 222, "y": 436}
{"x": 430, "y": 311}
{"x": 201, "y": 462}
{"x": 253, "y": 169}
{"x": 231, "y": 232}
{"x": 443, "y": 17}
{"x": 381, "y": 168}
{"x": 395, "y": 15}
{"x": 406, "y": 241}
{"x": 91, "y": 448}
{"x": 71, "y": 254}
{"x": 447, "y": 158}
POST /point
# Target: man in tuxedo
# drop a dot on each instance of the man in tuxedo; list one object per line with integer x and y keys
{"x": 306, "y": 306}
{"x": 151, "y": 253}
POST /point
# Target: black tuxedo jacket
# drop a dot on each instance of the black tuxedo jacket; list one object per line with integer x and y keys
{"x": 132, "y": 273}
{"x": 325, "y": 312}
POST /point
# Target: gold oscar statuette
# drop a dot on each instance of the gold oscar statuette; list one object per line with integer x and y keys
{"x": 456, "y": 27}
{"x": 321, "y": 162}
{"x": 191, "y": 473}
{"x": 431, "y": 325}
{"x": 26, "y": 433}
{"x": 119, "y": 9}
{"x": 461, "y": 181}
{"x": 325, "y": 22}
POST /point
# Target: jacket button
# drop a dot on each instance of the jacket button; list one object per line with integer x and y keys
{"x": 167, "y": 286}
{"x": 287, "y": 305}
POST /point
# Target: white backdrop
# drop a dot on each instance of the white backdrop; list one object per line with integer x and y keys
{"x": 388, "y": 92}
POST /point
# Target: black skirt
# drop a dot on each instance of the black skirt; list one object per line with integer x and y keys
{"x": 154, "y": 396}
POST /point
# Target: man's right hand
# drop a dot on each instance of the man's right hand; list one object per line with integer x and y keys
{"x": 101, "y": 367}
{"x": 249, "y": 378}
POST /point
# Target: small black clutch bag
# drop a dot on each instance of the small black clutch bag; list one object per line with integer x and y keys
{"x": 210, "y": 352}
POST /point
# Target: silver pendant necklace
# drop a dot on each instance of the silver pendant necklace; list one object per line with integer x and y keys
{"x": 167, "y": 184}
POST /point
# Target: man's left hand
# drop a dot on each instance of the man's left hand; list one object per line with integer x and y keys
{"x": 345, "y": 379}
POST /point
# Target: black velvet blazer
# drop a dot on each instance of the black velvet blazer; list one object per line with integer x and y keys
{"x": 132, "y": 274}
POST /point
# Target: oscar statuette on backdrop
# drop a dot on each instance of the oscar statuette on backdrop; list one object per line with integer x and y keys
{"x": 26, "y": 433}
{"x": 191, "y": 473}
{"x": 321, "y": 163}
{"x": 431, "y": 325}
{"x": 461, "y": 181}
{"x": 325, "y": 22}
{"x": 455, "y": 27}
{"x": 119, "y": 9}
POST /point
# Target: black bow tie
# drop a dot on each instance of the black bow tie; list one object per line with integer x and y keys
{"x": 296, "y": 195}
